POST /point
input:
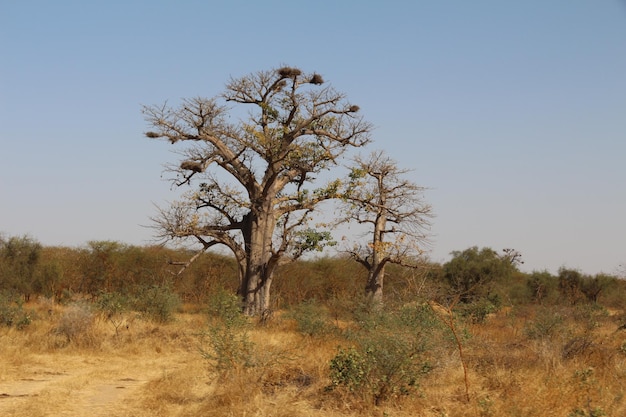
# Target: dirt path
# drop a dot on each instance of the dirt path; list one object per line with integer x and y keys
{"x": 54, "y": 385}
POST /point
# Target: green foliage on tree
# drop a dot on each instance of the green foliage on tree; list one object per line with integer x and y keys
{"x": 19, "y": 257}
{"x": 378, "y": 195}
{"x": 471, "y": 273}
{"x": 295, "y": 129}
{"x": 577, "y": 287}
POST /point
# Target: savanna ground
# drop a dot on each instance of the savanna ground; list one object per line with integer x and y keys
{"x": 522, "y": 361}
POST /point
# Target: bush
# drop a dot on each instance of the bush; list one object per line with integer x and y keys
{"x": 12, "y": 313}
{"x": 546, "y": 325}
{"x": 112, "y": 306}
{"x": 388, "y": 356}
{"x": 478, "y": 311}
{"x": 158, "y": 302}
{"x": 226, "y": 307}
{"x": 348, "y": 368}
{"x": 77, "y": 325}
{"x": 227, "y": 336}
{"x": 311, "y": 319}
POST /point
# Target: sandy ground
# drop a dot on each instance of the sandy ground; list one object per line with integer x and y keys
{"x": 67, "y": 385}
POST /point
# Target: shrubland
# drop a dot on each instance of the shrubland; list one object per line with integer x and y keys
{"x": 521, "y": 344}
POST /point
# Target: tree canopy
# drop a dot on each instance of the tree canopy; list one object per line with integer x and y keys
{"x": 250, "y": 157}
{"x": 392, "y": 208}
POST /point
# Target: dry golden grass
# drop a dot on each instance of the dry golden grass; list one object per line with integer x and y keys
{"x": 151, "y": 369}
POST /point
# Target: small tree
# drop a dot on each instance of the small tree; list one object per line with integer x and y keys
{"x": 570, "y": 284}
{"x": 99, "y": 266}
{"x": 296, "y": 127}
{"x": 392, "y": 207}
{"x": 19, "y": 257}
{"x": 593, "y": 286}
{"x": 471, "y": 272}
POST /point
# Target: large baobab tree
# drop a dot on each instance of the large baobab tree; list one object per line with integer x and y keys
{"x": 395, "y": 215}
{"x": 295, "y": 127}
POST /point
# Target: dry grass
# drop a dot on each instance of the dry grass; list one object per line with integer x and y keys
{"x": 154, "y": 369}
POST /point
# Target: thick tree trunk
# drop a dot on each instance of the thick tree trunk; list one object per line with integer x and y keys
{"x": 374, "y": 288}
{"x": 257, "y": 281}
{"x": 376, "y": 272}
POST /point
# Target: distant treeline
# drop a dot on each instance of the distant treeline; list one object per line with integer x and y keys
{"x": 472, "y": 277}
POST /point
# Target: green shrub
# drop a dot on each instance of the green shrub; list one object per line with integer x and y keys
{"x": 229, "y": 347}
{"x": 546, "y": 325}
{"x": 478, "y": 311}
{"x": 12, "y": 313}
{"x": 226, "y": 307}
{"x": 311, "y": 319}
{"x": 112, "y": 306}
{"x": 158, "y": 302}
{"x": 349, "y": 368}
{"x": 389, "y": 354}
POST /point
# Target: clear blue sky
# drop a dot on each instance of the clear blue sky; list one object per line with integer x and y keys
{"x": 513, "y": 113}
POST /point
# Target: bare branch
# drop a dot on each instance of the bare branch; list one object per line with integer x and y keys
{"x": 297, "y": 126}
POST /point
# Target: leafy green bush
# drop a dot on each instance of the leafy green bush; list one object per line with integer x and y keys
{"x": 226, "y": 307}
{"x": 548, "y": 323}
{"x": 311, "y": 319}
{"x": 12, "y": 311}
{"x": 389, "y": 353}
{"x": 229, "y": 347}
{"x": 349, "y": 368}
{"x": 478, "y": 311}
{"x": 473, "y": 272}
{"x": 112, "y": 306}
{"x": 158, "y": 302}
{"x": 112, "y": 303}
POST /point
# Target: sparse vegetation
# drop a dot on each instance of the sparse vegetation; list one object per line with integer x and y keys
{"x": 400, "y": 361}
{"x": 529, "y": 342}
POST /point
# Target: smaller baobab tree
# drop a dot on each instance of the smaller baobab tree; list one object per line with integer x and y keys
{"x": 392, "y": 208}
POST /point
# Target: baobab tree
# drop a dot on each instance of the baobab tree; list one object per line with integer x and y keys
{"x": 392, "y": 208}
{"x": 295, "y": 127}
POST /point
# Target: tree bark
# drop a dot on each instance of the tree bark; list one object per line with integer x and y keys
{"x": 258, "y": 232}
{"x": 374, "y": 288}
{"x": 376, "y": 272}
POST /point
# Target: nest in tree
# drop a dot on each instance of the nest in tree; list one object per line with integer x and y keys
{"x": 316, "y": 79}
{"x": 354, "y": 108}
{"x": 152, "y": 135}
{"x": 192, "y": 166}
{"x": 288, "y": 72}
